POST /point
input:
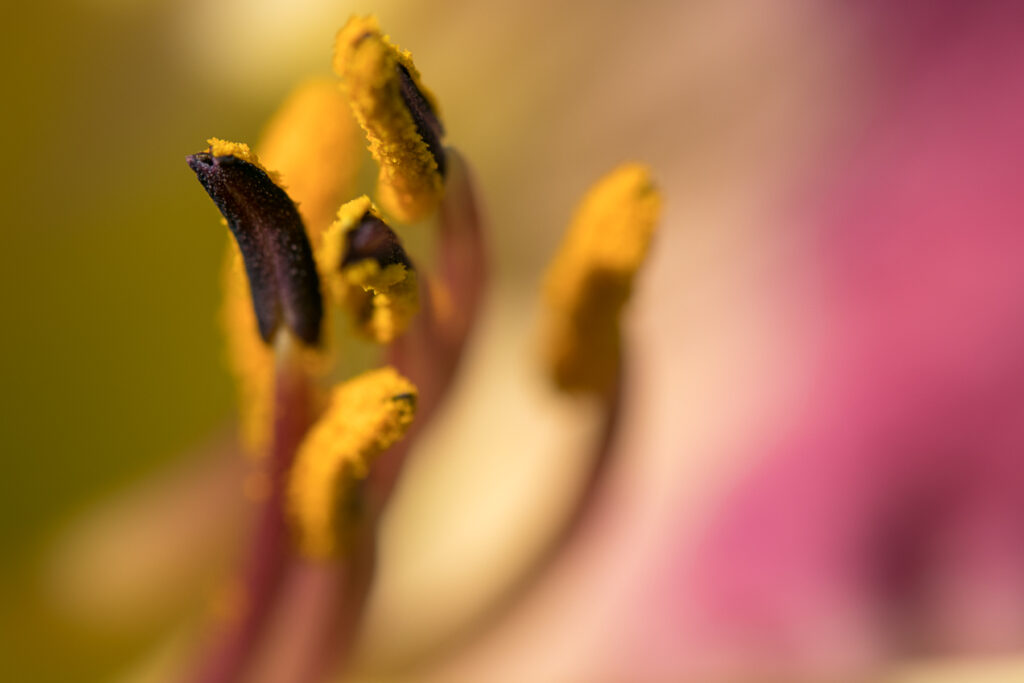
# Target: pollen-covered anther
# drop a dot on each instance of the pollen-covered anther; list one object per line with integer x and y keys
{"x": 398, "y": 115}
{"x": 272, "y": 240}
{"x": 367, "y": 271}
{"x": 591, "y": 277}
{"x": 366, "y": 415}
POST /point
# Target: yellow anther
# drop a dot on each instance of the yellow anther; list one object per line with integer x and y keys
{"x": 365, "y": 270}
{"x": 366, "y": 415}
{"x": 381, "y": 82}
{"x": 250, "y": 359}
{"x": 591, "y": 277}
{"x": 314, "y": 144}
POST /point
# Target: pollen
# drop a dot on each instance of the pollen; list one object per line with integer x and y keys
{"x": 240, "y": 150}
{"x": 591, "y": 278}
{"x": 366, "y": 271}
{"x": 398, "y": 115}
{"x": 365, "y": 416}
{"x": 314, "y": 143}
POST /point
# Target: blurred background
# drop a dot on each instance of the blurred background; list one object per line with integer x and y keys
{"x": 817, "y": 469}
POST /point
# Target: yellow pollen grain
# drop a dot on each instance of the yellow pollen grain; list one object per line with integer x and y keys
{"x": 409, "y": 184}
{"x": 365, "y": 416}
{"x": 224, "y": 148}
{"x": 333, "y": 247}
{"x": 382, "y": 301}
{"x": 591, "y": 277}
{"x": 394, "y": 298}
{"x": 314, "y": 144}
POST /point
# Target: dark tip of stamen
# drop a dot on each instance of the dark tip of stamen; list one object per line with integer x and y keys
{"x": 372, "y": 238}
{"x": 428, "y": 125}
{"x": 270, "y": 234}
{"x": 199, "y": 159}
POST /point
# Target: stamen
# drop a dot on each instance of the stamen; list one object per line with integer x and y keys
{"x": 271, "y": 237}
{"x": 367, "y": 271}
{"x": 591, "y": 278}
{"x": 398, "y": 114}
{"x": 366, "y": 416}
{"x": 315, "y": 145}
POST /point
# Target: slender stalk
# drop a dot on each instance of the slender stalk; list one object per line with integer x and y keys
{"x": 322, "y": 604}
{"x": 316, "y": 624}
{"x": 270, "y": 550}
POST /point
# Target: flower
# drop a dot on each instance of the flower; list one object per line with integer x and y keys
{"x": 762, "y": 350}
{"x": 326, "y": 468}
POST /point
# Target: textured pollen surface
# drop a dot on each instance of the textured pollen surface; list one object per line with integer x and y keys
{"x": 591, "y": 278}
{"x": 366, "y": 415}
{"x": 401, "y": 128}
{"x": 373, "y": 279}
{"x": 240, "y": 150}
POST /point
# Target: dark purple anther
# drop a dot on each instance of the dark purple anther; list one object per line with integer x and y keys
{"x": 372, "y": 238}
{"x": 423, "y": 115}
{"x": 276, "y": 252}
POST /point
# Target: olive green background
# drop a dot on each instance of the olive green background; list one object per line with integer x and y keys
{"x": 108, "y": 285}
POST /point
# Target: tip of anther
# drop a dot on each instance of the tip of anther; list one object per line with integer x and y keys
{"x": 199, "y": 160}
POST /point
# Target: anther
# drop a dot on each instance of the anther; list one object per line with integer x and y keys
{"x": 591, "y": 278}
{"x": 271, "y": 238}
{"x": 326, "y": 492}
{"x": 368, "y": 272}
{"x": 398, "y": 115}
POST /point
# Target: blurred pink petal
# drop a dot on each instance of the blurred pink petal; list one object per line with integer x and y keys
{"x": 882, "y": 510}
{"x": 887, "y": 520}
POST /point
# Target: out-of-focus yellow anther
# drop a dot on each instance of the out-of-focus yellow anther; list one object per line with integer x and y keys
{"x": 591, "y": 277}
{"x": 381, "y": 294}
{"x": 410, "y": 183}
{"x": 314, "y": 143}
{"x": 366, "y": 415}
{"x": 251, "y": 361}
